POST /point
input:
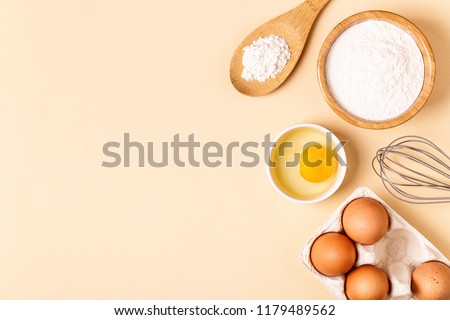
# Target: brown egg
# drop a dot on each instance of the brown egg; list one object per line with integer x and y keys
{"x": 333, "y": 254}
{"x": 365, "y": 220}
{"x": 431, "y": 281}
{"x": 367, "y": 283}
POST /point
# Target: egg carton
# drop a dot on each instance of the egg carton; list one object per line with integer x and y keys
{"x": 398, "y": 253}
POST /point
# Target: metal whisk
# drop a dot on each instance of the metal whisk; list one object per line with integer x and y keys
{"x": 415, "y": 170}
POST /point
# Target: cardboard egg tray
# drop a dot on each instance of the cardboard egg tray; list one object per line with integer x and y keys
{"x": 398, "y": 253}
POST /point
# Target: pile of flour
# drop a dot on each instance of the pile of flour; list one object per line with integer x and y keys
{"x": 265, "y": 58}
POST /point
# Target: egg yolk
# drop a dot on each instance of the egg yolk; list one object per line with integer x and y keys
{"x": 314, "y": 165}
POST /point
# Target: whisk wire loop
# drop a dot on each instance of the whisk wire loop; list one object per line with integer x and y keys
{"x": 415, "y": 170}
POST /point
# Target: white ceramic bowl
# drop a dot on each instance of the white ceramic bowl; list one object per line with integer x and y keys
{"x": 342, "y": 168}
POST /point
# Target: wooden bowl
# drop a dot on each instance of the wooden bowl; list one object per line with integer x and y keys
{"x": 422, "y": 43}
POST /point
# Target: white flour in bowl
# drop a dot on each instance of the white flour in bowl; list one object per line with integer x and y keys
{"x": 375, "y": 70}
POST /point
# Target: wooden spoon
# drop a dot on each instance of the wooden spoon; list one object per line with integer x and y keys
{"x": 294, "y": 27}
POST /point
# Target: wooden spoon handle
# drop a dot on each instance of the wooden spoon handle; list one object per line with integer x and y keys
{"x": 317, "y": 5}
{"x": 302, "y": 17}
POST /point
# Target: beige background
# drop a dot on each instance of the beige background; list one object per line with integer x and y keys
{"x": 76, "y": 74}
